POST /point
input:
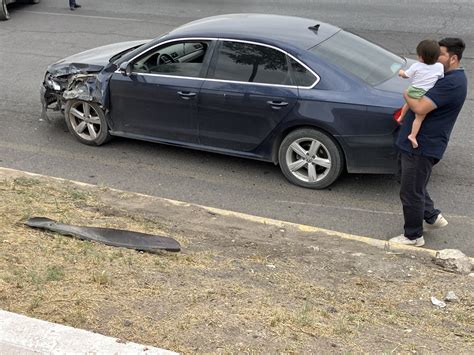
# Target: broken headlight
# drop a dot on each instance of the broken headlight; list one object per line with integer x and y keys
{"x": 53, "y": 84}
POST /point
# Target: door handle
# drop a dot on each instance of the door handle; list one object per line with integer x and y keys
{"x": 277, "y": 104}
{"x": 186, "y": 95}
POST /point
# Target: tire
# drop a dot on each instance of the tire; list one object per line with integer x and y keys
{"x": 86, "y": 121}
{"x": 4, "y": 15}
{"x": 35, "y": 1}
{"x": 310, "y": 158}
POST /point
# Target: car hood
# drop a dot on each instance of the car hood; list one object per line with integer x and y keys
{"x": 92, "y": 60}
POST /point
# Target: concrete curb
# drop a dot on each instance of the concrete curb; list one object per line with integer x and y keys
{"x": 382, "y": 244}
{"x": 24, "y": 335}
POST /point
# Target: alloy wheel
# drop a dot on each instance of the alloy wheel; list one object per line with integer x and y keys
{"x": 308, "y": 160}
{"x": 85, "y": 120}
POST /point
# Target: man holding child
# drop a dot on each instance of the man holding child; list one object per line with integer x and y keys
{"x": 441, "y": 105}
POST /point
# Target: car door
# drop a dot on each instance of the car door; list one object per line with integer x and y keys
{"x": 157, "y": 100}
{"x": 247, "y": 93}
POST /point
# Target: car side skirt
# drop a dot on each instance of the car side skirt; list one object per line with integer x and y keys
{"x": 248, "y": 155}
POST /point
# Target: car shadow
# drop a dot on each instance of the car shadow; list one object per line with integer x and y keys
{"x": 369, "y": 183}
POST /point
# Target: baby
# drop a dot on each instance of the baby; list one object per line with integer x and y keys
{"x": 425, "y": 73}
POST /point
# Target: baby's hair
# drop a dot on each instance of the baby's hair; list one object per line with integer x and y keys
{"x": 428, "y": 50}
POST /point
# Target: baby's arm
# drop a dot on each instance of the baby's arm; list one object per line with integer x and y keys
{"x": 403, "y": 74}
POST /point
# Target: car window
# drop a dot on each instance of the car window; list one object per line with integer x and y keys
{"x": 253, "y": 63}
{"x": 364, "y": 59}
{"x": 302, "y": 76}
{"x": 177, "y": 58}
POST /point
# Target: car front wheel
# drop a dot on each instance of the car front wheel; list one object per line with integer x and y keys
{"x": 86, "y": 121}
{"x": 310, "y": 158}
{"x": 4, "y": 15}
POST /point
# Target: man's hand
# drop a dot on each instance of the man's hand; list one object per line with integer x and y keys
{"x": 421, "y": 106}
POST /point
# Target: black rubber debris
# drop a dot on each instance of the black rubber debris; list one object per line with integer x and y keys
{"x": 114, "y": 237}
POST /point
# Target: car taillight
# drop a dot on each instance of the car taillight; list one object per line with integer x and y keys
{"x": 397, "y": 115}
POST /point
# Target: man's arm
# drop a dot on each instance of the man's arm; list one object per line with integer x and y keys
{"x": 421, "y": 106}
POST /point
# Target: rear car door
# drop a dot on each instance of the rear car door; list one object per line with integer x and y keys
{"x": 158, "y": 100}
{"x": 247, "y": 93}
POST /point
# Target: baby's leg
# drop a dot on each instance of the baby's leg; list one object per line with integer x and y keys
{"x": 415, "y": 128}
{"x": 403, "y": 113}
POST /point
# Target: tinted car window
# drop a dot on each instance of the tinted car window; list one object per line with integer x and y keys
{"x": 251, "y": 63}
{"x": 359, "y": 57}
{"x": 302, "y": 76}
{"x": 181, "y": 59}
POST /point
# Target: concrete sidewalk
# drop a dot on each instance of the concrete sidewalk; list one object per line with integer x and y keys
{"x": 23, "y": 335}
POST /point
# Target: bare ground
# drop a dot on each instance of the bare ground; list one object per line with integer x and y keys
{"x": 237, "y": 285}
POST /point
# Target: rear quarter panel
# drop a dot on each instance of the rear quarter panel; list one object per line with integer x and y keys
{"x": 360, "y": 120}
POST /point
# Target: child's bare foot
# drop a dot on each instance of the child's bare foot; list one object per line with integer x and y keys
{"x": 413, "y": 141}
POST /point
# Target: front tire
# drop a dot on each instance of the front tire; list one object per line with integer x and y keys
{"x": 86, "y": 121}
{"x": 4, "y": 14}
{"x": 310, "y": 158}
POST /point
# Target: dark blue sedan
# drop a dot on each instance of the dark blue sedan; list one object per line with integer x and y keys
{"x": 300, "y": 93}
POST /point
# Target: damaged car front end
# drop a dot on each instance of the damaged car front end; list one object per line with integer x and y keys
{"x": 57, "y": 89}
{"x": 82, "y": 77}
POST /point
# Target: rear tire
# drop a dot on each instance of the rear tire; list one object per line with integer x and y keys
{"x": 86, "y": 121}
{"x": 310, "y": 158}
{"x": 4, "y": 14}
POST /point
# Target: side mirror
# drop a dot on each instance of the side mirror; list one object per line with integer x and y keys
{"x": 126, "y": 68}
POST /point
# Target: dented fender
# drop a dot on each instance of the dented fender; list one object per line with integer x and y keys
{"x": 69, "y": 83}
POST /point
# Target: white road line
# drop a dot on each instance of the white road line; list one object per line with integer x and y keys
{"x": 469, "y": 219}
{"x": 75, "y": 15}
{"x": 340, "y": 207}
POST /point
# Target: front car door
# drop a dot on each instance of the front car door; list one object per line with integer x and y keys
{"x": 157, "y": 101}
{"x": 248, "y": 91}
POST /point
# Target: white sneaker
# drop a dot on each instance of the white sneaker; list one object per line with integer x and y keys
{"x": 440, "y": 222}
{"x": 401, "y": 239}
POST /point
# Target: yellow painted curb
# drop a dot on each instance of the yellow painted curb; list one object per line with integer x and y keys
{"x": 383, "y": 244}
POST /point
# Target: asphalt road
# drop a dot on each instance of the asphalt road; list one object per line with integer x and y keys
{"x": 365, "y": 205}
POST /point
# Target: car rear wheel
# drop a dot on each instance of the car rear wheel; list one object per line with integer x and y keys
{"x": 310, "y": 158}
{"x": 86, "y": 121}
{"x": 4, "y": 15}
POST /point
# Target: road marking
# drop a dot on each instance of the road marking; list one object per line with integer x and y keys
{"x": 382, "y": 244}
{"x": 339, "y": 207}
{"x": 86, "y": 16}
{"x": 467, "y": 219}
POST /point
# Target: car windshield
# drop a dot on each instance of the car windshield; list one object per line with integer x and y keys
{"x": 361, "y": 58}
{"x": 121, "y": 54}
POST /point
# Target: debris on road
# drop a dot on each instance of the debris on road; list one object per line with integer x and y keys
{"x": 109, "y": 236}
{"x": 437, "y": 302}
{"x": 451, "y": 297}
{"x": 453, "y": 260}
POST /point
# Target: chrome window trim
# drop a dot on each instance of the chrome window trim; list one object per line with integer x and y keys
{"x": 228, "y": 81}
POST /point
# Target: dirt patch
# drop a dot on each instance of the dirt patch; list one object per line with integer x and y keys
{"x": 236, "y": 286}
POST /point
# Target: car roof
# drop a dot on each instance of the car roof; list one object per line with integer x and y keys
{"x": 260, "y": 27}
